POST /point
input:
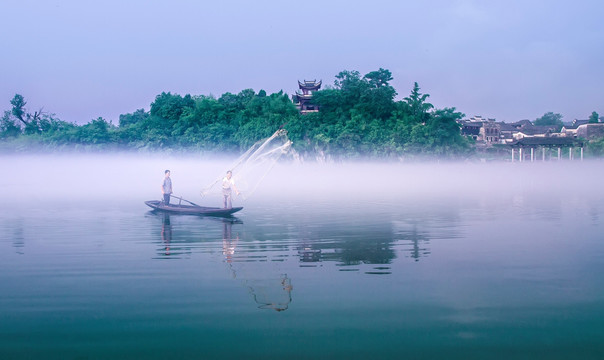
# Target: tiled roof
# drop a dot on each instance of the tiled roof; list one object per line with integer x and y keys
{"x": 551, "y": 141}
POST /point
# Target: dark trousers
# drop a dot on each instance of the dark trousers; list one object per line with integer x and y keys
{"x": 167, "y": 199}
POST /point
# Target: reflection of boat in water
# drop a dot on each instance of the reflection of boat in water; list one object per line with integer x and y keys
{"x": 191, "y": 209}
{"x": 182, "y": 235}
{"x": 308, "y": 254}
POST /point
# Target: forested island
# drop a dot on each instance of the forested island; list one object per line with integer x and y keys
{"x": 358, "y": 118}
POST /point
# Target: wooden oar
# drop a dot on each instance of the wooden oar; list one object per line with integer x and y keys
{"x": 190, "y": 202}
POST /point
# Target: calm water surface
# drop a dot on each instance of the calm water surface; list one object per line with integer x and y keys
{"x": 457, "y": 276}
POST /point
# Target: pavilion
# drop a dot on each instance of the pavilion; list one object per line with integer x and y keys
{"x": 532, "y": 144}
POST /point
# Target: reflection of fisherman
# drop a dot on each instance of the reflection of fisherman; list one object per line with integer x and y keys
{"x": 228, "y": 243}
{"x": 166, "y": 187}
{"x": 227, "y": 185}
{"x": 166, "y": 232}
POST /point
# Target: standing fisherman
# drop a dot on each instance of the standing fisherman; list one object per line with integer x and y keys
{"x": 227, "y": 185}
{"x": 166, "y": 187}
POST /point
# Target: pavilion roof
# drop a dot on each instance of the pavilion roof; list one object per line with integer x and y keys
{"x": 546, "y": 141}
{"x": 310, "y": 85}
{"x": 305, "y": 96}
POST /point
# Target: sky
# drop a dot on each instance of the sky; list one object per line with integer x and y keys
{"x": 509, "y": 60}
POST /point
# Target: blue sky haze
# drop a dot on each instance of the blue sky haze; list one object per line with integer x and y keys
{"x": 508, "y": 60}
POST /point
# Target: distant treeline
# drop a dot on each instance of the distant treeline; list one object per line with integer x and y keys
{"x": 358, "y": 117}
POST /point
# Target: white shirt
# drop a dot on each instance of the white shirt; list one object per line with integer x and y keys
{"x": 227, "y": 183}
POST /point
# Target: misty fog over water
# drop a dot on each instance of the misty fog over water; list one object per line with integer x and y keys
{"x": 82, "y": 177}
{"x": 360, "y": 259}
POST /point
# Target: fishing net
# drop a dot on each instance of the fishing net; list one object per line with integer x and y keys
{"x": 252, "y": 167}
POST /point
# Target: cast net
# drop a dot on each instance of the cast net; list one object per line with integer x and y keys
{"x": 252, "y": 167}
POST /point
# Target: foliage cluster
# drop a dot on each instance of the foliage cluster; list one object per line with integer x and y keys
{"x": 229, "y": 124}
{"x": 358, "y": 117}
{"x": 550, "y": 119}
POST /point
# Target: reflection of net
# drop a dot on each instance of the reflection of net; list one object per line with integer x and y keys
{"x": 259, "y": 274}
{"x": 268, "y": 291}
{"x": 251, "y": 167}
{"x": 271, "y": 293}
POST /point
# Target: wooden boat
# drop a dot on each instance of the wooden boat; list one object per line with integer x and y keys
{"x": 191, "y": 209}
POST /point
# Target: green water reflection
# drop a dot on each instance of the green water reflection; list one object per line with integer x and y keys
{"x": 451, "y": 278}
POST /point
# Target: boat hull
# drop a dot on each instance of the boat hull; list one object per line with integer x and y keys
{"x": 190, "y": 209}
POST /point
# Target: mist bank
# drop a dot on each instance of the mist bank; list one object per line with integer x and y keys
{"x": 129, "y": 179}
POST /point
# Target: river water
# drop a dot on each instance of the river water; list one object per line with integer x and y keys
{"x": 456, "y": 261}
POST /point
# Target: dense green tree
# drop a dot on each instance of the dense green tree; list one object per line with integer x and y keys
{"x": 550, "y": 118}
{"x": 263, "y": 116}
{"x": 59, "y": 132}
{"x": 379, "y": 78}
{"x": 171, "y": 107}
{"x": 348, "y": 80}
{"x": 351, "y": 86}
{"x": 18, "y": 103}
{"x": 30, "y": 122}
{"x": 378, "y": 100}
{"x": 308, "y": 133}
{"x": 594, "y": 118}
{"x": 136, "y": 117}
{"x": 418, "y": 107}
{"x": 8, "y": 127}
{"x": 444, "y": 135}
{"x": 358, "y": 117}
{"x": 95, "y": 132}
{"x": 34, "y": 123}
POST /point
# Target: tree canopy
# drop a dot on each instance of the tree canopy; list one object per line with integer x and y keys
{"x": 550, "y": 118}
{"x": 594, "y": 118}
{"x": 358, "y": 117}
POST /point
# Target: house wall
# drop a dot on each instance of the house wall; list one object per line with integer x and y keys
{"x": 590, "y": 131}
